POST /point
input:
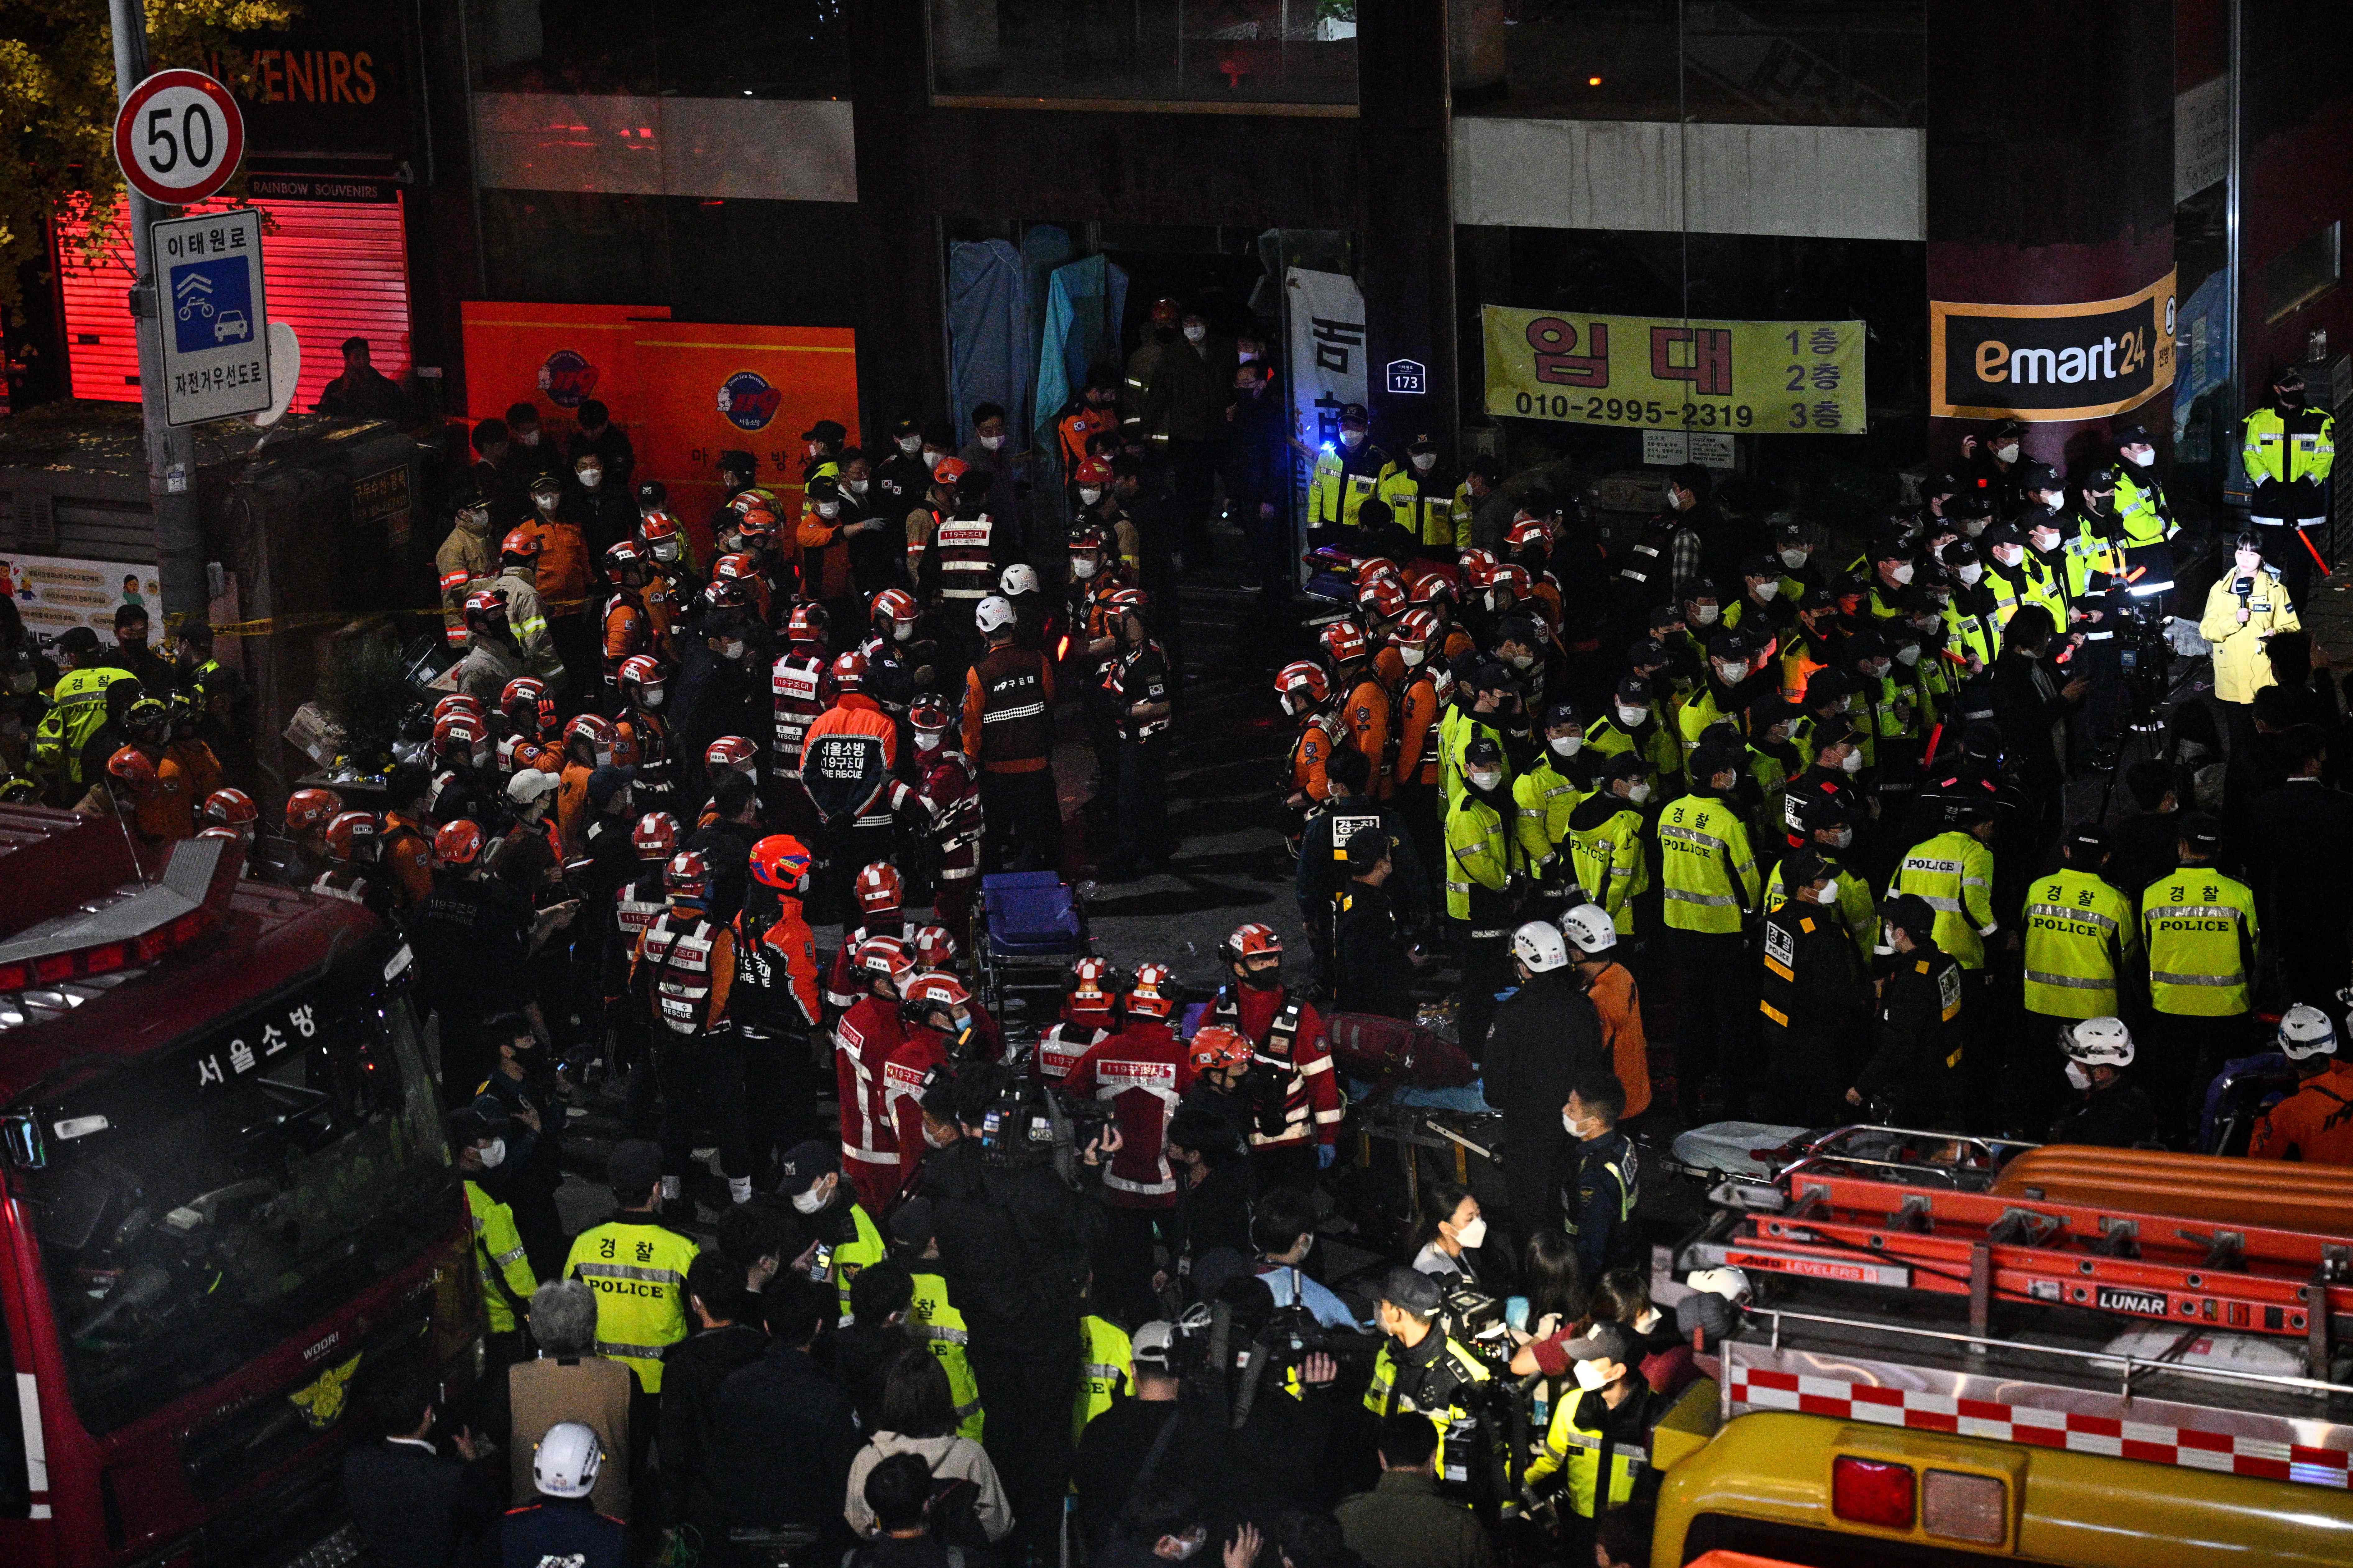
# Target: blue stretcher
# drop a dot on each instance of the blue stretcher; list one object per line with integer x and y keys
{"x": 1032, "y": 929}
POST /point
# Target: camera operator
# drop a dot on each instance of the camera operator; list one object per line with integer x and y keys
{"x": 1422, "y": 1368}
{"x": 1014, "y": 1238}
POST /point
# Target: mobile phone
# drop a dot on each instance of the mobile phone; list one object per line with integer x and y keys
{"x": 820, "y": 1268}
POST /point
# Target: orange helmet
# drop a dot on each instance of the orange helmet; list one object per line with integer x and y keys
{"x": 756, "y": 520}
{"x": 639, "y": 671}
{"x": 885, "y": 958}
{"x": 948, "y": 471}
{"x": 936, "y": 948}
{"x": 520, "y": 543}
{"x": 230, "y": 808}
{"x": 526, "y": 700}
{"x": 687, "y": 877}
{"x": 656, "y": 836}
{"x": 1093, "y": 471}
{"x": 1164, "y": 311}
{"x": 781, "y": 861}
{"x": 1254, "y": 940}
{"x": 1344, "y": 642}
{"x": 1153, "y": 994}
{"x": 807, "y": 623}
{"x": 849, "y": 672}
{"x": 353, "y": 835}
{"x": 1093, "y": 985}
{"x": 1430, "y": 588}
{"x": 877, "y": 888}
{"x": 1509, "y": 583}
{"x": 457, "y": 843}
{"x": 459, "y": 703}
{"x": 1214, "y": 1046}
{"x": 309, "y": 808}
{"x": 897, "y": 604}
{"x": 1383, "y": 596}
{"x": 930, "y": 713}
{"x": 736, "y": 568}
{"x": 1300, "y": 686}
{"x": 485, "y": 602}
{"x": 134, "y": 769}
{"x": 731, "y": 751}
{"x": 657, "y": 528}
{"x": 928, "y": 992}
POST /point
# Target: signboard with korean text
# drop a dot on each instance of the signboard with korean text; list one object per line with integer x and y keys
{"x": 55, "y": 593}
{"x": 215, "y": 325}
{"x": 1747, "y": 378}
{"x": 1327, "y": 359}
{"x": 2044, "y": 362}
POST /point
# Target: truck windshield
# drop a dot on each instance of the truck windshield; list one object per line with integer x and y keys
{"x": 202, "y": 1204}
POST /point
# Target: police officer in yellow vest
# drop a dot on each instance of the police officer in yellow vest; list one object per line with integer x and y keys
{"x": 1713, "y": 887}
{"x": 2081, "y": 940}
{"x": 1106, "y": 1371}
{"x": 1953, "y": 872}
{"x": 1423, "y": 1369}
{"x": 1549, "y": 792}
{"x": 932, "y": 1316}
{"x": 2289, "y": 450}
{"x": 1597, "y": 1452}
{"x": 637, "y": 1268}
{"x": 1486, "y": 870}
{"x": 809, "y": 1178}
{"x": 2200, "y": 930}
{"x": 1421, "y": 498}
{"x": 79, "y": 708}
{"x": 1348, "y": 474}
{"x": 2144, "y": 516}
{"x": 500, "y": 1262}
{"x": 2016, "y": 578}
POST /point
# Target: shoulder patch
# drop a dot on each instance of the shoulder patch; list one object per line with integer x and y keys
{"x": 1921, "y": 966}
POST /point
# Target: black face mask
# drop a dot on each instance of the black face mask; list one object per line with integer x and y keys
{"x": 1266, "y": 978}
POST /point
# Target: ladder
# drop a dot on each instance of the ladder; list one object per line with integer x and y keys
{"x": 1991, "y": 1246}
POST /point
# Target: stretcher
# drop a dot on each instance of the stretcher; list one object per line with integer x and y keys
{"x": 1031, "y": 928}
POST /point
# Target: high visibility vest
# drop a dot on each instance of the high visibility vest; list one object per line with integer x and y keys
{"x": 637, "y": 1269}
{"x": 1457, "y": 728}
{"x": 499, "y": 1261}
{"x": 1437, "y": 1394}
{"x": 1610, "y": 864}
{"x": 2200, "y": 927}
{"x": 1576, "y": 1452}
{"x": 1954, "y": 874}
{"x": 2087, "y": 553}
{"x": 1427, "y": 514}
{"x": 1478, "y": 856}
{"x": 967, "y": 556}
{"x": 933, "y": 1319}
{"x": 1706, "y": 864}
{"x": 2287, "y": 449}
{"x": 681, "y": 959}
{"x": 1337, "y": 490}
{"x": 2079, "y": 932}
{"x": 2142, "y": 515}
{"x": 1661, "y": 748}
{"x": 77, "y": 710}
{"x": 852, "y": 1256}
{"x": 1545, "y": 797}
{"x": 1968, "y": 634}
{"x": 1106, "y": 1371}
{"x": 796, "y": 689}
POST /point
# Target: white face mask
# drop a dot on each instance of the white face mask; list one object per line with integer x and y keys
{"x": 1083, "y": 567}
{"x": 2077, "y": 1076}
{"x": 932, "y": 457}
{"x": 733, "y": 651}
{"x": 1730, "y": 674}
{"x": 604, "y": 755}
{"x": 1829, "y": 895}
{"x": 591, "y": 477}
{"x": 1090, "y": 494}
{"x": 1639, "y": 793}
{"x": 1974, "y": 527}
{"x": 494, "y": 1153}
{"x": 1195, "y": 332}
{"x": 2043, "y": 538}
{"x": 1767, "y": 592}
{"x": 1470, "y": 1235}
{"x": 1704, "y": 614}
{"x": 927, "y": 740}
{"x": 2009, "y": 554}
{"x": 527, "y": 437}
{"x": 1632, "y": 718}
{"x": 544, "y": 502}
{"x": 1352, "y": 439}
{"x": 1589, "y": 1377}
{"x": 911, "y": 444}
{"x": 1484, "y": 781}
{"x": 1521, "y": 660}
{"x": 1425, "y": 461}
{"x": 991, "y": 443}
{"x": 1851, "y": 762}
{"x": 812, "y": 1201}
{"x": 664, "y": 550}
{"x": 902, "y": 631}
{"x": 1568, "y": 1125}
{"x": 828, "y": 508}
{"x": 2007, "y": 452}
{"x": 1969, "y": 574}
{"x": 1793, "y": 558}
{"x": 1840, "y": 838}
{"x": 1675, "y": 502}
{"x": 856, "y": 486}
{"x": 2140, "y": 456}
{"x": 651, "y": 697}
{"x": 1566, "y": 745}
{"x": 1908, "y": 654}
{"x": 1900, "y": 573}
{"x": 1413, "y": 656}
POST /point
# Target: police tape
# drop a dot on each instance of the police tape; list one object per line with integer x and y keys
{"x": 268, "y": 625}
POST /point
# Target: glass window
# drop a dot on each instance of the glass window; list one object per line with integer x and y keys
{"x": 1168, "y": 51}
{"x": 718, "y": 48}
{"x": 2296, "y": 277}
{"x": 1795, "y": 62}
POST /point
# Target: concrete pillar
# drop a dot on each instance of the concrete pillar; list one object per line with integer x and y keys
{"x": 1406, "y": 232}
{"x": 2050, "y": 184}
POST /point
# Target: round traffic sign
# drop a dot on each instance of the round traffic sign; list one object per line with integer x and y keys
{"x": 178, "y": 137}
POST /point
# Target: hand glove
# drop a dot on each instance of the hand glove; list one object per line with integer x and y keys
{"x": 1325, "y": 1156}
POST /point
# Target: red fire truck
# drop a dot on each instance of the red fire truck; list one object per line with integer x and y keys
{"x": 229, "y": 1207}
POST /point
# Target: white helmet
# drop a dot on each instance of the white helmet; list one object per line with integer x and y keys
{"x": 1538, "y": 945}
{"x": 1590, "y": 928}
{"x": 1730, "y": 1283}
{"x": 2099, "y": 1042}
{"x": 1018, "y": 578}
{"x": 566, "y": 1461}
{"x": 529, "y": 784}
{"x": 995, "y": 612}
{"x": 2306, "y": 1032}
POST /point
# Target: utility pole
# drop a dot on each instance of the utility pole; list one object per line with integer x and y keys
{"x": 171, "y": 453}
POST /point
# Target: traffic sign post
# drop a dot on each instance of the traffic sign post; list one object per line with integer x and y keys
{"x": 216, "y": 328}
{"x": 178, "y": 137}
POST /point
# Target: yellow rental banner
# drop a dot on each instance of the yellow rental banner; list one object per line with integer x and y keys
{"x": 1747, "y": 378}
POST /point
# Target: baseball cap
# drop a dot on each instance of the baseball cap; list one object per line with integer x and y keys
{"x": 1365, "y": 848}
{"x": 911, "y": 1225}
{"x": 609, "y": 780}
{"x": 1411, "y": 1290}
{"x": 634, "y": 1165}
{"x": 804, "y": 1165}
{"x": 1600, "y": 1342}
{"x": 2090, "y": 838}
{"x": 1911, "y": 914}
{"x": 1634, "y": 688}
{"x": 1646, "y": 650}
{"x": 1153, "y": 1343}
{"x": 1803, "y": 868}
{"x": 824, "y": 430}
{"x": 2202, "y": 829}
{"x": 2038, "y": 477}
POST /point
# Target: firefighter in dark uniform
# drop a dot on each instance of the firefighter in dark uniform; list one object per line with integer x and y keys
{"x": 1813, "y": 1000}
{"x": 1915, "y": 1070}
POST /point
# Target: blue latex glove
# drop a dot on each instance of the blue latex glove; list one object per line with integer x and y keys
{"x": 1325, "y": 1156}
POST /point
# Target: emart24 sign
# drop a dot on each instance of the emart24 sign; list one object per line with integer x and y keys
{"x": 2043, "y": 362}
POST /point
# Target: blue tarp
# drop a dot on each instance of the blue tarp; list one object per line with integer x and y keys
{"x": 1083, "y": 306}
{"x": 991, "y": 337}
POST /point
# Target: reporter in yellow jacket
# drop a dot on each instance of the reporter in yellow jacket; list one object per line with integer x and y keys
{"x": 2244, "y": 607}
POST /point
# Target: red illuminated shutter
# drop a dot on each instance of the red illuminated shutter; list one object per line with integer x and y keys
{"x": 332, "y": 270}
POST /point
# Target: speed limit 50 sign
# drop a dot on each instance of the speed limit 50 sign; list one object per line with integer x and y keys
{"x": 179, "y": 137}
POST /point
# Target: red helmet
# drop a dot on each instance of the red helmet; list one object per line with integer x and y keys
{"x": 1093, "y": 471}
{"x": 522, "y": 543}
{"x": 1377, "y": 566}
{"x": 781, "y": 861}
{"x": 459, "y": 703}
{"x": 459, "y": 732}
{"x": 526, "y": 700}
{"x": 595, "y": 729}
{"x": 886, "y": 958}
{"x": 895, "y": 603}
{"x": 352, "y": 833}
{"x": 626, "y": 556}
{"x": 1091, "y": 986}
{"x": 1122, "y": 600}
{"x": 485, "y": 602}
{"x": 656, "y": 528}
{"x": 877, "y": 888}
{"x": 687, "y": 875}
{"x": 936, "y": 948}
{"x": 216, "y": 831}
{"x": 638, "y": 671}
{"x": 1430, "y": 588}
{"x": 656, "y": 836}
{"x": 135, "y": 769}
{"x": 1417, "y": 628}
{"x": 849, "y": 671}
{"x": 1087, "y": 536}
{"x": 230, "y": 808}
{"x": 1300, "y": 685}
{"x": 1214, "y": 1046}
{"x": 1473, "y": 566}
{"x": 754, "y": 521}
{"x": 807, "y": 623}
{"x": 926, "y": 992}
{"x": 1512, "y": 581}
{"x": 1383, "y": 596}
{"x": 736, "y": 568}
{"x": 731, "y": 751}
{"x": 1164, "y": 311}
{"x": 310, "y": 809}
{"x": 930, "y": 713}
{"x": 1527, "y": 530}
{"x": 1344, "y": 642}
{"x": 457, "y": 843}
{"x": 948, "y": 471}
{"x": 1252, "y": 940}
{"x": 1153, "y": 994}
